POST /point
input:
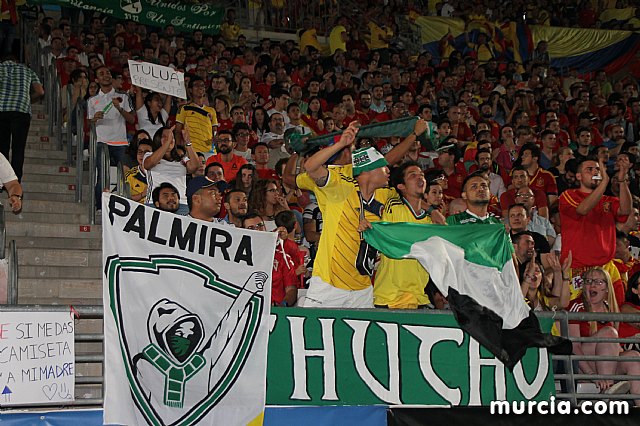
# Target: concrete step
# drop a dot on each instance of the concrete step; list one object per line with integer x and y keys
{"x": 56, "y": 288}
{"x": 67, "y": 272}
{"x": 65, "y": 178}
{"x": 59, "y": 257}
{"x": 64, "y": 218}
{"x": 48, "y": 169}
{"x": 46, "y": 161}
{"x": 51, "y": 187}
{"x": 32, "y": 153}
{"x": 49, "y": 196}
{"x": 29, "y": 205}
{"x": 73, "y": 301}
{"x": 57, "y": 243}
{"x": 39, "y": 130}
{"x": 66, "y": 231}
{"x": 42, "y": 136}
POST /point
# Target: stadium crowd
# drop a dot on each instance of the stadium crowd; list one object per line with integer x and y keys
{"x": 553, "y": 157}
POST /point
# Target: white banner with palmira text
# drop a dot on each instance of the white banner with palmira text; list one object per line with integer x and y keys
{"x": 186, "y": 318}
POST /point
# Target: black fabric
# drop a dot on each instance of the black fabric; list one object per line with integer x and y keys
{"x": 509, "y": 346}
{"x": 14, "y": 130}
{"x": 366, "y": 259}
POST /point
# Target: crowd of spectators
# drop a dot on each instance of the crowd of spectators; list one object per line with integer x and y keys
{"x": 554, "y": 158}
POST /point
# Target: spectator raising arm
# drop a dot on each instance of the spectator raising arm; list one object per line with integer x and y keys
{"x": 315, "y": 164}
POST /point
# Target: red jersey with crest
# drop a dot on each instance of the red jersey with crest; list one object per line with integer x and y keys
{"x": 592, "y": 237}
{"x": 544, "y": 181}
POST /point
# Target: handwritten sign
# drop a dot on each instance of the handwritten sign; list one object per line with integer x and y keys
{"x": 36, "y": 358}
{"x": 158, "y": 78}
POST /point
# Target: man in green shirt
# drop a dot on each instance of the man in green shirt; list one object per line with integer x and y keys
{"x": 475, "y": 191}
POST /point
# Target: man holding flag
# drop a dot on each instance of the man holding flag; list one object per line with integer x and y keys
{"x": 475, "y": 191}
{"x": 473, "y": 267}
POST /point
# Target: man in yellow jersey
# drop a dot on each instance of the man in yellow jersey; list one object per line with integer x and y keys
{"x": 201, "y": 119}
{"x": 341, "y": 191}
{"x": 400, "y": 283}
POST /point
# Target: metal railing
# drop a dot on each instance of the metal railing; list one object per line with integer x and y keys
{"x": 79, "y": 137}
{"x": 12, "y": 278}
{"x": 12, "y": 260}
{"x": 570, "y": 378}
{"x": 570, "y": 361}
{"x": 93, "y": 147}
{"x": 122, "y": 186}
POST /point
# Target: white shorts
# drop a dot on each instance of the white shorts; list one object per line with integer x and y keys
{"x": 324, "y": 295}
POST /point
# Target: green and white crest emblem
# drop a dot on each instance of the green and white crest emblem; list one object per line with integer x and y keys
{"x": 181, "y": 360}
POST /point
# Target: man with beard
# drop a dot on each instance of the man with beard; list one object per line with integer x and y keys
{"x": 166, "y": 197}
{"x": 377, "y": 103}
{"x": 349, "y": 106}
{"x": 365, "y": 105}
{"x": 483, "y": 158}
{"x": 235, "y": 203}
{"x": 400, "y": 283}
{"x": 475, "y": 191}
{"x": 589, "y": 219}
{"x": 230, "y": 162}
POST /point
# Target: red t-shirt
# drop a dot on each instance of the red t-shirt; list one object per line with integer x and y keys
{"x": 455, "y": 180}
{"x": 358, "y": 116}
{"x": 626, "y": 329}
{"x": 267, "y": 174}
{"x": 284, "y": 275}
{"x": 543, "y": 181}
{"x": 508, "y": 198}
{"x": 591, "y": 238}
{"x": 577, "y": 305}
{"x": 225, "y": 124}
{"x": 230, "y": 167}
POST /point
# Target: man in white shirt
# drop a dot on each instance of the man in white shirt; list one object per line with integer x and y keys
{"x": 110, "y": 111}
{"x": 280, "y": 102}
{"x": 496, "y": 186}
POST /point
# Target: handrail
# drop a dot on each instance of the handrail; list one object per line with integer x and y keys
{"x": 105, "y": 179}
{"x": 3, "y": 232}
{"x": 69, "y": 126}
{"x": 12, "y": 278}
{"x": 122, "y": 189}
{"x": 57, "y": 107}
{"x": 106, "y": 169}
{"x": 49, "y": 77}
{"x": 80, "y": 116}
{"x": 92, "y": 173}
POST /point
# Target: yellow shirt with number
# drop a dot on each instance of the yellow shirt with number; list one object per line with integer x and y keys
{"x": 200, "y": 120}
{"x": 339, "y": 242}
{"x": 400, "y": 283}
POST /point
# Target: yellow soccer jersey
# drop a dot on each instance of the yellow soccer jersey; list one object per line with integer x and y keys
{"x": 399, "y": 284}
{"x": 339, "y": 242}
{"x": 137, "y": 182}
{"x": 200, "y": 120}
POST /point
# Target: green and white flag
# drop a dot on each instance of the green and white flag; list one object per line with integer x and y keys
{"x": 186, "y": 318}
{"x": 473, "y": 266}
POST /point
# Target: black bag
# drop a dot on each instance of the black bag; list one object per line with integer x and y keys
{"x": 367, "y": 254}
{"x": 366, "y": 260}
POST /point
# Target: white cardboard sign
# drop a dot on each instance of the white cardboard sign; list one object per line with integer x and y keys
{"x": 158, "y": 78}
{"x": 37, "y": 364}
